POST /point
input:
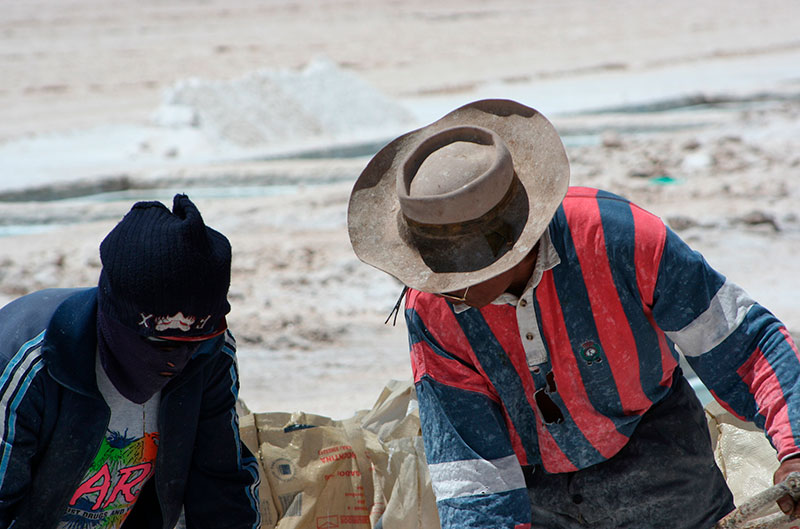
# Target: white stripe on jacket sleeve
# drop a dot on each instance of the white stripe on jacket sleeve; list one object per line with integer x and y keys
{"x": 725, "y": 313}
{"x": 475, "y": 477}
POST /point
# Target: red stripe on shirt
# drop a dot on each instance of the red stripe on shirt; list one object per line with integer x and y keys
{"x": 424, "y": 361}
{"x": 650, "y": 235}
{"x": 759, "y": 376}
{"x": 553, "y": 458}
{"x": 615, "y": 334}
{"x": 598, "y": 429}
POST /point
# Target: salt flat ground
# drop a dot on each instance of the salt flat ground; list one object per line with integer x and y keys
{"x": 691, "y": 109}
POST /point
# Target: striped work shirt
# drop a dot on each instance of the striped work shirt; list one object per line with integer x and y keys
{"x": 594, "y": 339}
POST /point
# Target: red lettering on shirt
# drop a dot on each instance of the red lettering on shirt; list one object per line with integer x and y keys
{"x": 100, "y": 482}
{"x": 129, "y": 479}
{"x": 90, "y": 485}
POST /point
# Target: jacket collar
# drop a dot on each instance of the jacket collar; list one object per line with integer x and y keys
{"x": 70, "y": 342}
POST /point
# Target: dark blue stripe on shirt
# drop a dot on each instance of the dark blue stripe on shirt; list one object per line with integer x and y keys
{"x": 460, "y": 425}
{"x": 495, "y": 362}
{"x": 574, "y": 299}
{"x": 683, "y": 271}
{"x": 617, "y": 219}
{"x": 503, "y": 510}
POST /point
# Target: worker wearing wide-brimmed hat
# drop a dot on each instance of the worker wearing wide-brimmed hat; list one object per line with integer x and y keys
{"x": 543, "y": 321}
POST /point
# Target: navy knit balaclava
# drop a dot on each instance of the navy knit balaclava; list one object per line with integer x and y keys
{"x": 165, "y": 275}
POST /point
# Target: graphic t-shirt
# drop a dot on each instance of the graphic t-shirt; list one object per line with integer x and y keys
{"x": 123, "y": 464}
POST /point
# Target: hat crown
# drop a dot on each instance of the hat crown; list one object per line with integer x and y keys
{"x": 454, "y": 176}
{"x": 451, "y": 167}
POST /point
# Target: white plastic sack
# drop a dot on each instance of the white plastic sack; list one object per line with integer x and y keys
{"x": 743, "y": 453}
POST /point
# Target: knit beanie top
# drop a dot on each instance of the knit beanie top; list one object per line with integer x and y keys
{"x": 165, "y": 273}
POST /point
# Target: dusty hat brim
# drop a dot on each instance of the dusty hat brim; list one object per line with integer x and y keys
{"x": 379, "y": 232}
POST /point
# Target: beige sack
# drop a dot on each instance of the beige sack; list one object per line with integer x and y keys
{"x": 363, "y": 472}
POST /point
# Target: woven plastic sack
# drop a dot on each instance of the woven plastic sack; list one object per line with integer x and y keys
{"x": 742, "y": 451}
{"x": 361, "y": 473}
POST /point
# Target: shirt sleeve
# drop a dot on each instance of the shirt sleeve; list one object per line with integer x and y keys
{"x": 741, "y": 352}
{"x": 222, "y": 488}
{"x": 476, "y": 476}
{"x": 21, "y": 404}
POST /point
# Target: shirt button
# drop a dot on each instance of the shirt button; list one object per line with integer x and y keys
{"x": 529, "y": 336}
{"x": 523, "y": 302}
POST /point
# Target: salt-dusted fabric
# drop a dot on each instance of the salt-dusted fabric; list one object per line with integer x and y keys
{"x": 625, "y": 291}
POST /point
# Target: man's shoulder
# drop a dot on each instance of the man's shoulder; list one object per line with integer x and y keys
{"x": 49, "y": 297}
{"x": 585, "y": 207}
{"x": 215, "y": 351}
{"x": 423, "y": 301}
{"x": 426, "y": 308}
{"x": 26, "y": 318}
{"x": 579, "y": 197}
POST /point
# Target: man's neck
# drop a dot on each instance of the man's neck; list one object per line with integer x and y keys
{"x": 523, "y": 272}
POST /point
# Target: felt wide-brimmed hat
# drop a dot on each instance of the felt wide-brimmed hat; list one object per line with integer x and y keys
{"x": 461, "y": 200}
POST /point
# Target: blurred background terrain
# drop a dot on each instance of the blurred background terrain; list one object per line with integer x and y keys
{"x": 265, "y": 112}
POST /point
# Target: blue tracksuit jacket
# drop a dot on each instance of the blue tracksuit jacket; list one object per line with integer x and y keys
{"x": 54, "y": 419}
